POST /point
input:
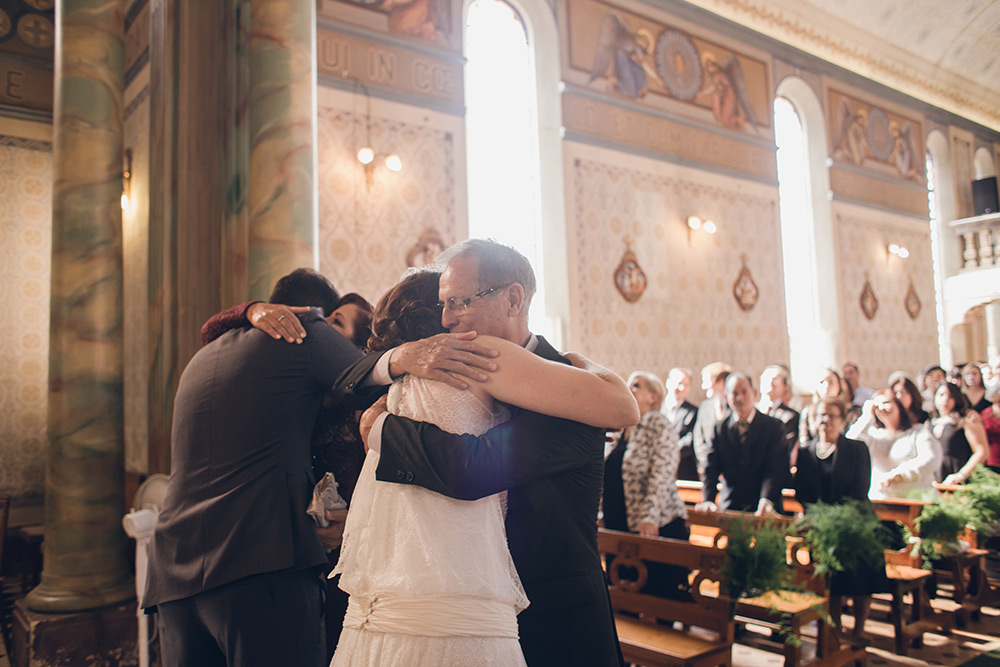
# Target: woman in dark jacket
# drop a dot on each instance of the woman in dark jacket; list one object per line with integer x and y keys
{"x": 831, "y": 469}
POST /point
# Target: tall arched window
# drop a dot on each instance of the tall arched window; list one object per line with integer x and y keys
{"x": 811, "y": 294}
{"x": 514, "y": 154}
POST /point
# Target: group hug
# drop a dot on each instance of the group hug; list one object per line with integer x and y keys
{"x": 421, "y": 483}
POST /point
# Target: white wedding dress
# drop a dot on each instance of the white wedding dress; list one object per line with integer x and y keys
{"x": 431, "y": 579}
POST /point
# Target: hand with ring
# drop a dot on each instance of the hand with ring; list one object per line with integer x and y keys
{"x": 278, "y": 321}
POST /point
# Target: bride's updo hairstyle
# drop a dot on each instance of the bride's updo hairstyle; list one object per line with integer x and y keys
{"x": 407, "y": 312}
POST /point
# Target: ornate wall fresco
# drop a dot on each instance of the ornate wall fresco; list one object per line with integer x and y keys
{"x": 427, "y": 20}
{"x": 25, "y": 261}
{"x": 687, "y": 315}
{"x": 665, "y": 65}
{"x": 862, "y": 134}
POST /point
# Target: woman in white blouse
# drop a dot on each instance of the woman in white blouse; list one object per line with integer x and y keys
{"x": 640, "y": 482}
{"x": 905, "y": 456}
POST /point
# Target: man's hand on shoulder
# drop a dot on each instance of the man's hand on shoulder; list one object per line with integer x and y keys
{"x": 445, "y": 357}
{"x": 278, "y": 321}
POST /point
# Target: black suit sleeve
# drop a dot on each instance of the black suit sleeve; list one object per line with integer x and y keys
{"x": 530, "y": 446}
{"x": 861, "y": 472}
{"x": 713, "y": 462}
{"x": 350, "y": 390}
{"x": 331, "y": 353}
{"x": 776, "y": 467}
{"x": 806, "y": 476}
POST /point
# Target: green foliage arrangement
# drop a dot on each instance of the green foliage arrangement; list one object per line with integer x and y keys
{"x": 938, "y": 527}
{"x": 756, "y": 558}
{"x": 842, "y": 537}
{"x": 981, "y": 497}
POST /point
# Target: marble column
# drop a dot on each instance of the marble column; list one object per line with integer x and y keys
{"x": 85, "y": 547}
{"x": 992, "y": 313}
{"x": 283, "y": 203}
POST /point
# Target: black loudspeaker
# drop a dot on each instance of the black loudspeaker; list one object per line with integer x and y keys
{"x": 984, "y": 196}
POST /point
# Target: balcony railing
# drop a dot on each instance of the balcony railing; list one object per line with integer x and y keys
{"x": 980, "y": 240}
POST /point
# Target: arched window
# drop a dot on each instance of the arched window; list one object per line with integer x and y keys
{"x": 806, "y": 232}
{"x": 514, "y": 154}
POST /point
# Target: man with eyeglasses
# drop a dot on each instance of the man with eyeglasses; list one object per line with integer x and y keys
{"x": 553, "y": 468}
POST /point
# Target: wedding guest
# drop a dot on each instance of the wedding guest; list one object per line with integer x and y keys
{"x": 712, "y": 410}
{"x": 640, "y": 482}
{"x": 682, "y": 415}
{"x": 852, "y": 376}
{"x": 974, "y": 388}
{"x": 960, "y": 431}
{"x": 991, "y": 424}
{"x": 832, "y": 469}
{"x": 928, "y": 380}
{"x": 904, "y": 455}
{"x": 909, "y": 396}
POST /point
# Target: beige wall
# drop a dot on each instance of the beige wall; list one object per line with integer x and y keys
{"x": 25, "y": 261}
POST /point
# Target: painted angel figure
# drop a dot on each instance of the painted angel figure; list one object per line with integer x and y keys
{"x": 419, "y": 18}
{"x": 617, "y": 44}
{"x": 904, "y": 151}
{"x": 728, "y": 87}
{"x": 851, "y": 142}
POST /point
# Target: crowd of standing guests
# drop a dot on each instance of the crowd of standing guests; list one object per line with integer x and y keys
{"x": 842, "y": 442}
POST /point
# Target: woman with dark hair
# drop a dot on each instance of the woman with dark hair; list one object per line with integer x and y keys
{"x": 909, "y": 396}
{"x": 431, "y": 579}
{"x": 905, "y": 455}
{"x": 833, "y": 469}
{"x": 960, "y": 431}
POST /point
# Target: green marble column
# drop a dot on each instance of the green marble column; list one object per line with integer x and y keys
{"x": 85, "y": 547}
{"x": 283, "y": 201}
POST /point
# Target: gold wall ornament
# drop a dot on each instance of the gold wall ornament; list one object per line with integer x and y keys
{"x": 912, "y": 302}
{"x": 868, "y": 300}
{"x": 745, "y": 289}
{"x": 428, "y": 246}
{"x": 630, "y": 279}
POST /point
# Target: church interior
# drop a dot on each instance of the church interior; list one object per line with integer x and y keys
{"x": 162, "y": 160}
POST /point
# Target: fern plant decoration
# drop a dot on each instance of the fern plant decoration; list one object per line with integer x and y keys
{"x": 843, "y": 537}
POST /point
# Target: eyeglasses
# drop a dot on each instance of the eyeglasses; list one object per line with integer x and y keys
{"x": 456, "y": 305}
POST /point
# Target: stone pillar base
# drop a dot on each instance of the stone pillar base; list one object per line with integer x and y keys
{"x": 104, "y": 637}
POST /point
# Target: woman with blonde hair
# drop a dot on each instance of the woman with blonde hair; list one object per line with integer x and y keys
{"x": 640, "y": 481}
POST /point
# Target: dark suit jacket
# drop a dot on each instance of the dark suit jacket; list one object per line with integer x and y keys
{"x": 241, "y": 474}
{"x": 684, "y": 422}
{"x": 789, "y": 418}
{"x": 851, "y": 478}
{"x": 751, "y": 470}
{"x": 703, "y": 426}
{"x": 554, "y": 470}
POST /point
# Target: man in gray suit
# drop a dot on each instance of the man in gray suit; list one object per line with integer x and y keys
{"x": 235, "y": 564}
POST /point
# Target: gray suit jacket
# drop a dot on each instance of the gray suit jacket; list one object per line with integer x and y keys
{"x": 241, "y": 474}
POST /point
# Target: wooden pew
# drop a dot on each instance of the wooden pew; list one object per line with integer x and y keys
{"x": 646, "y": 623}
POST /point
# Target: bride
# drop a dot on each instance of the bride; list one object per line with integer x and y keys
{"x": 430, "y": 578}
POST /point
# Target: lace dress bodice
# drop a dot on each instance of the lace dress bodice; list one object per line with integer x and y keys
{"x": 402, "y": 539}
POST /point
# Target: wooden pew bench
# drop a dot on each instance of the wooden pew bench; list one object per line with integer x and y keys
{"x": 646, "y": 623}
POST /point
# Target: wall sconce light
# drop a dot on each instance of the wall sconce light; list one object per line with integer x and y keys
{"x": 367, "y": 154}
{"x": 127, "y": 179}
{"x": 897, "y": 250}
{"x": 694, "y": 223}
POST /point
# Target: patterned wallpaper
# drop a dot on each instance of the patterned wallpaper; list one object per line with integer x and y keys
{"x": 25, "y": 258}
{"x": 688, "y": 315}
{"x": 891, "y": 340}
{"x": 366, "y": 233}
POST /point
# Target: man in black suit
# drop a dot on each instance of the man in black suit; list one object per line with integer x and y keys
{"x": 682, "y": 415}
{"x": 552, "y": 467}
{"x": 775, "y": 384}
{"x": 747, "y": 450}
{"x": 235, "y": 564}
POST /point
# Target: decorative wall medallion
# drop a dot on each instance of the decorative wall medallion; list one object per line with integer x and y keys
{"x": 36, "y": 30}
{"x": 630, "y": 279}
{"x": 912, "y": 301}
{"x": 868, "y": 300}
{"x": 880, "y": 138}
{"x": 678, "y": 64}
{"x": 745, "y": 289}
{"x": 426, "y": 249}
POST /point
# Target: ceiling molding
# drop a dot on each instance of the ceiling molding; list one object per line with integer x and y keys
{"x": 864, "y": 52}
